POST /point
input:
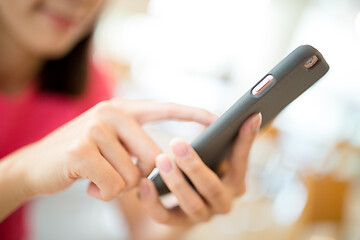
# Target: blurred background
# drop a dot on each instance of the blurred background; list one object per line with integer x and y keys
{"x": 304, "y": 174}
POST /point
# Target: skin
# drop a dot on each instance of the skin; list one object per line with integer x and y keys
{"x": 216, "y": 194}
{"x": 98, "y": 145}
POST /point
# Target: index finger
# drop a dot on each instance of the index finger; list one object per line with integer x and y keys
{"x": 149, "y": 111}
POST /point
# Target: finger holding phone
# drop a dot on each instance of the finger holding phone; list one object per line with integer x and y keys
{"x": 213, "y": 195}
{"x": 202, "y": 193}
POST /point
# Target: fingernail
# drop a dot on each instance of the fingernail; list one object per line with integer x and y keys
{"x": 144, "y": 189}
{"x": 180, "y": 148}
{"x": 164, "y": 163}
{"x": 256, "y": 122}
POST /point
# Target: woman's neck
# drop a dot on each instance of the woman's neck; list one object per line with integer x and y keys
{"x": 18, "y": 66}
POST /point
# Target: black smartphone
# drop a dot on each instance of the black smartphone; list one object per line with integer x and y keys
{"x": 279, "y": 87}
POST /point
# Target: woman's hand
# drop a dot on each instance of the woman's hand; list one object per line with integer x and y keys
{"x": 214, "y": 195}
{"x": 98, "y": 145}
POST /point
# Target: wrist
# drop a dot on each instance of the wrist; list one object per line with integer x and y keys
{"x": 14, "y": 191}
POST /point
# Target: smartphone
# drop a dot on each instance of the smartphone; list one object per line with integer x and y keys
{"x": 279, "y": 87}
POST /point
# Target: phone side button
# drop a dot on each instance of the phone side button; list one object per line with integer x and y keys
{"x": 262, "y": 85}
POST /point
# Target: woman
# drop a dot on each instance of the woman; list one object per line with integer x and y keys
{"x": 58, "y": 125}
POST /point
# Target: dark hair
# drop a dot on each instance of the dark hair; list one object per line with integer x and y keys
{"x": 68, "y": 74}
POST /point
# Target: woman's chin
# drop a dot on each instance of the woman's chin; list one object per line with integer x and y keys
{"x": 51, "y": 51}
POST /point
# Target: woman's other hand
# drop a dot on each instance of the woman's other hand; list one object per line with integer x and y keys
{"x": 214, "y": 195}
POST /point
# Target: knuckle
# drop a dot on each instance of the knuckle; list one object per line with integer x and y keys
{"x": 204, "y": 112}
{"x": 201, "y": 216}
{"x": 103, "y": 108}
{"x": 77, "y": 156}
{"x": 214, "y": 192}
{"x": 79, "y": 149}
{"x": 106, "y": 198}
{"x": 115, "y": 189}
{"x": 133, "y": 177}
{"x": 197, "y": 210}
{"x": 207, "y": 112}
{"x": 97, "y": 129}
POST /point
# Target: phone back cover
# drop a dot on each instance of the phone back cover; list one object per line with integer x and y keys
{"x": 291, "y": 79}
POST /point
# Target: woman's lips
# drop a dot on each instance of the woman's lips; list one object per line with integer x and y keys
{"x": 61, "y": 20}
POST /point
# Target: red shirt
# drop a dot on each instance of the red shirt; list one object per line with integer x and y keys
{"x": 32, "y": 115}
